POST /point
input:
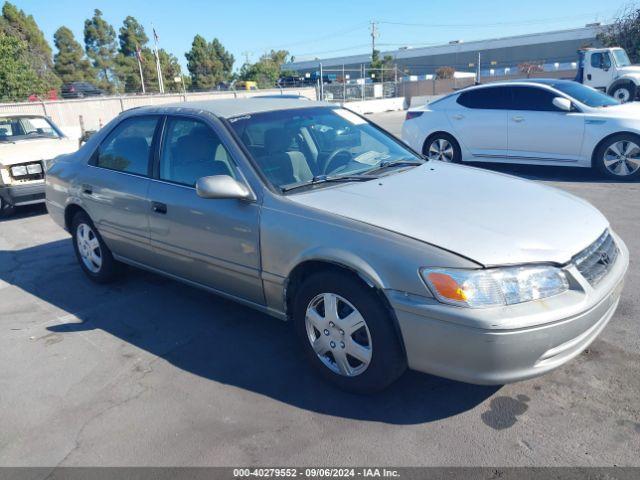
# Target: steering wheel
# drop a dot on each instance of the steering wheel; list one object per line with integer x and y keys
{"x": 337, "y": 159}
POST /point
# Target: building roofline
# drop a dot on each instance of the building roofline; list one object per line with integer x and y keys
{"x": 443, "y": 49}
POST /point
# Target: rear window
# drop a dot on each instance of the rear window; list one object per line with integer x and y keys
{"x": 488, "y": 98}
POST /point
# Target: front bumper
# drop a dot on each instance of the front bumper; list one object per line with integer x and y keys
{"x": 447, "y": 341}
{"x": 23, "y": 194}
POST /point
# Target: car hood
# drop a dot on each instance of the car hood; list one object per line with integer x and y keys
{"x": 629, "y": 110}
{"x": 633, "y": 70}
{"x": 491, "y": 218}
{"x": 35, "y": 149}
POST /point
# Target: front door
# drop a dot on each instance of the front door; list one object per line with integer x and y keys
{"x": 214, "y": 242}
{"x": 539, "y": 131}
{"x": 599, "y": 70}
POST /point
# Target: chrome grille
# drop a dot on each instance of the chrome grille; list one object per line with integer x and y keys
{"x": 595, "y": 261}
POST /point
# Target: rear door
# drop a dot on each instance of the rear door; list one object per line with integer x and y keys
{"x": 214, "y": 242}
{"x": 480, "y": 121}
{"x": 541, "y": 132}
{"x": 114, "y": 188}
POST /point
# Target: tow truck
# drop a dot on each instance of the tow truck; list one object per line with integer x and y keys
{"x": 611, "y": 71}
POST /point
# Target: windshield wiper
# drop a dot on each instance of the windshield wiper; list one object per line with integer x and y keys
{"x": 325, "y": 179}
{"x": 401, "y": 162}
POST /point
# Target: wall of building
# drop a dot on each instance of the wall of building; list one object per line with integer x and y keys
{"x": 550, "y": 48}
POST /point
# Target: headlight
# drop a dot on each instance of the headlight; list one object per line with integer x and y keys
{"x": 495, "y": 286}
{"x": 19, "y": 171}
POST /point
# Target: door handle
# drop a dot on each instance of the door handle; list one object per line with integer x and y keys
{"x": 588, "y": 76}
{"x": 518, "y": 119}
{"x": 458, "y": 116}
{"x": 87, "y": 189}
{"x": 159, "y": 207}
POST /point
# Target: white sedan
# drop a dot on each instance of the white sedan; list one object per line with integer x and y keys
{"x": 536, "y": 122}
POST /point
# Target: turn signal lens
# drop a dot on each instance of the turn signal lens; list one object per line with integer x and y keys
{"x": 496, "y": 286}
{"x": 447, "y": 287}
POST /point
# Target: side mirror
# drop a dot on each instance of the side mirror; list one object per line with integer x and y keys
{"x": 222, "y": 186}
{"x": 562, "y": 103}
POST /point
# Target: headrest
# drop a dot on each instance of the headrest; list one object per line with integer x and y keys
{"x": 277, "y": 140}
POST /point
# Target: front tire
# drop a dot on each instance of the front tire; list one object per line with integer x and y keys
{"x": 6, "y": 209}
{"x": 624, "y": 92}
{"x": 618, "y": 157}
{"x": 442, "y": 147}
{"x": 92, "y": 253}
{"x": 347, "y": 333}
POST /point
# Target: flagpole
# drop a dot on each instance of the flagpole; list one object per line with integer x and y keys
{"x": 138, "y": 53}
{"x": 158, "y": 68}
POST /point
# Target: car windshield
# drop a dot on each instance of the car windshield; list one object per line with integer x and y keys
{"x": 622, "y": 60}
{"x": 308, "y": 145}
{"x": 586, "y": 95}
{"x": 17, "y": 128}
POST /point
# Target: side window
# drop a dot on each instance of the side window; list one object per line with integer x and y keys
{"x": 536, "y": 99}
{"x": 600, "y": 60}
{"x": 127, "y": 148}
{"x": 488, "y": 98}
{"x": 192, "y": 150}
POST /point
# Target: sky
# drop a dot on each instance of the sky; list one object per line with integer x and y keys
{"x": 323, "y": 28}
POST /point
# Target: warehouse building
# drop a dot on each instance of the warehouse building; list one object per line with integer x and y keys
{"x": 499, "y": 56}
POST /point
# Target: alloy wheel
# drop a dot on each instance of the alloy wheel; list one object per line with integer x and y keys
{"x": 441, "y": 149}
{"x": 622, "y": 158}
{"x": 338, "y": 334}
{"x": 89, "y": 248}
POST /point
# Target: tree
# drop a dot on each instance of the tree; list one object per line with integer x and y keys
{"x": 266, "y": 70}
{"x": 131, "y": 35}
{"x": 382, "y": 68}
{"x": 624, "y": 32}
{"x": 445, "y": 73}
{"x": 209, "y": 63}
{"x": 70, "y": 63}
{"x": 171, "y": 69}
{"x": 100, "y": 45}
{"x": 18, "y": 78}
{"x": 529, "y": 68}
{"x": 16, "y": 23}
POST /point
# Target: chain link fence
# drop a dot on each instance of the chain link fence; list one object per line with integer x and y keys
{"x": 351, "y": 92}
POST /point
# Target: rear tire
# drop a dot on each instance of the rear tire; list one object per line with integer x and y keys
{"x": 92, "y": 253}
{"x": 624, "y": 92}
{"x": 618, "y": 157}
{"x": 356, "y": 347}
{"x": 443, "y": 147}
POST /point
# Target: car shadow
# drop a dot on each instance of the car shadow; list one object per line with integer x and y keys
{"x": 217, "y": 339}
{"x": 25, "y": 212}
{"x": 550, "y": 173}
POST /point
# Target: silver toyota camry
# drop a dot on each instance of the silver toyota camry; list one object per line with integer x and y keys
{"x": 382, "y": 260}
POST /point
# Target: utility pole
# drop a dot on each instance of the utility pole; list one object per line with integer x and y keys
{"x": 374, "y": 35}
{"x": 478, "y": 74}
{"x": 246, "y": 56}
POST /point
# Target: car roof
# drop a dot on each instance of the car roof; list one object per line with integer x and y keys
{"x": 228, "y": 108}
{"x": 552, "y": 82}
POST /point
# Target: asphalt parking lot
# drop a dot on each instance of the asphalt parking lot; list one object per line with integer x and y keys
{"x": 150, "y": 372}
